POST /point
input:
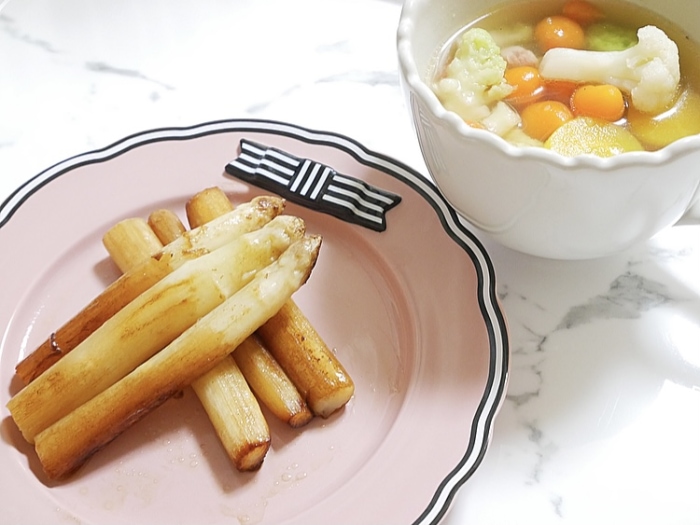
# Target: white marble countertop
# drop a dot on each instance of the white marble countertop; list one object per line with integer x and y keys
{"x": 602, "y": 419}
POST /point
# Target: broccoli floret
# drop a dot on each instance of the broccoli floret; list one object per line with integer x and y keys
{"x": 649, "y": 71}
{"x": 474, "y": 78}
{"x": 609, "y": 37}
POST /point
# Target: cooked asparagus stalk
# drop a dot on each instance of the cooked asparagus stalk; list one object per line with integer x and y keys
{"x": 309, "y": 363}
{"x": 137, "y": 235}
{"x": 270, "y": 383}
{"x": 62, "y": 450}
{"x": 244, "y": 218}
{"x": 147, "y": 324}
{"x": 223, "y": 391}
{"x": 290, "y": 337}
{"x": 166, "y": 225}
{"x": 235, "y": 414}
{"x": 206, "y": 206}
{"x": 264, "y": 375}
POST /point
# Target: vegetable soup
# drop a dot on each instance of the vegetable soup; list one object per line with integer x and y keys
{"x": 577, "y": 77}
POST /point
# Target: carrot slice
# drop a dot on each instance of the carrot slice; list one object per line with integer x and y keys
{"x": 601, "y": 101}
{"x": 583, "y": 12}
{"x": 527, "y": 84}
{"x": 541, "y": 119}
{"x": 559, "y": 31}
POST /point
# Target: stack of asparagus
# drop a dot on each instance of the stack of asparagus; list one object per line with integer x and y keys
{"x": 209, "y": 307}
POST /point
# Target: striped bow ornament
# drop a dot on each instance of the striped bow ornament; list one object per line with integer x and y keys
{"x": 312, "y": 184}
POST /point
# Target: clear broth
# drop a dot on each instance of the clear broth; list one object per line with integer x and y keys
{"x": 621, "y": 13}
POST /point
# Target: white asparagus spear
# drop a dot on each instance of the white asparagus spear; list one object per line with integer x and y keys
{"x": 265, "y": 376}
{"x": 223, "y": 391}
{"x": 235, "y": 414}
{"x": 137, "y": 235}
{"x": 289, "y": 336}
{"x": 207, "y": 206}
{"x": 165, "y": 224}
{"x": 304, "y": 356}
{"x": 271, "y": 384}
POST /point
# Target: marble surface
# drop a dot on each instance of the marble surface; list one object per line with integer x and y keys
{"x": 602, "y": 419}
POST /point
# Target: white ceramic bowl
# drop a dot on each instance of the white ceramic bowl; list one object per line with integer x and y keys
{"x": 531, "y": 199}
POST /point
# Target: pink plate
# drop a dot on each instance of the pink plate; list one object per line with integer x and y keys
{"x": 411, "y": 311}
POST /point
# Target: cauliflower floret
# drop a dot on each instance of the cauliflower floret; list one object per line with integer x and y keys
{"x": 474, "y": 79}
{"x": 649, "y": 71}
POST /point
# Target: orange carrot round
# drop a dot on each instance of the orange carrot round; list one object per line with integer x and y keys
{"x": 601, "y": 101}
{"x": 582, "y": 11}
{"x": 527, "y": 84}
{"x": 541, "y": 119}
{"x": 559, "y": 31}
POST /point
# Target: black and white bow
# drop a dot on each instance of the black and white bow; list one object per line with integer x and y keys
{"x": 312, "y": 184}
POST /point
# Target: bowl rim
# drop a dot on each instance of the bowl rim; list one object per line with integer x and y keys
{"x": 417, "y": 86}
